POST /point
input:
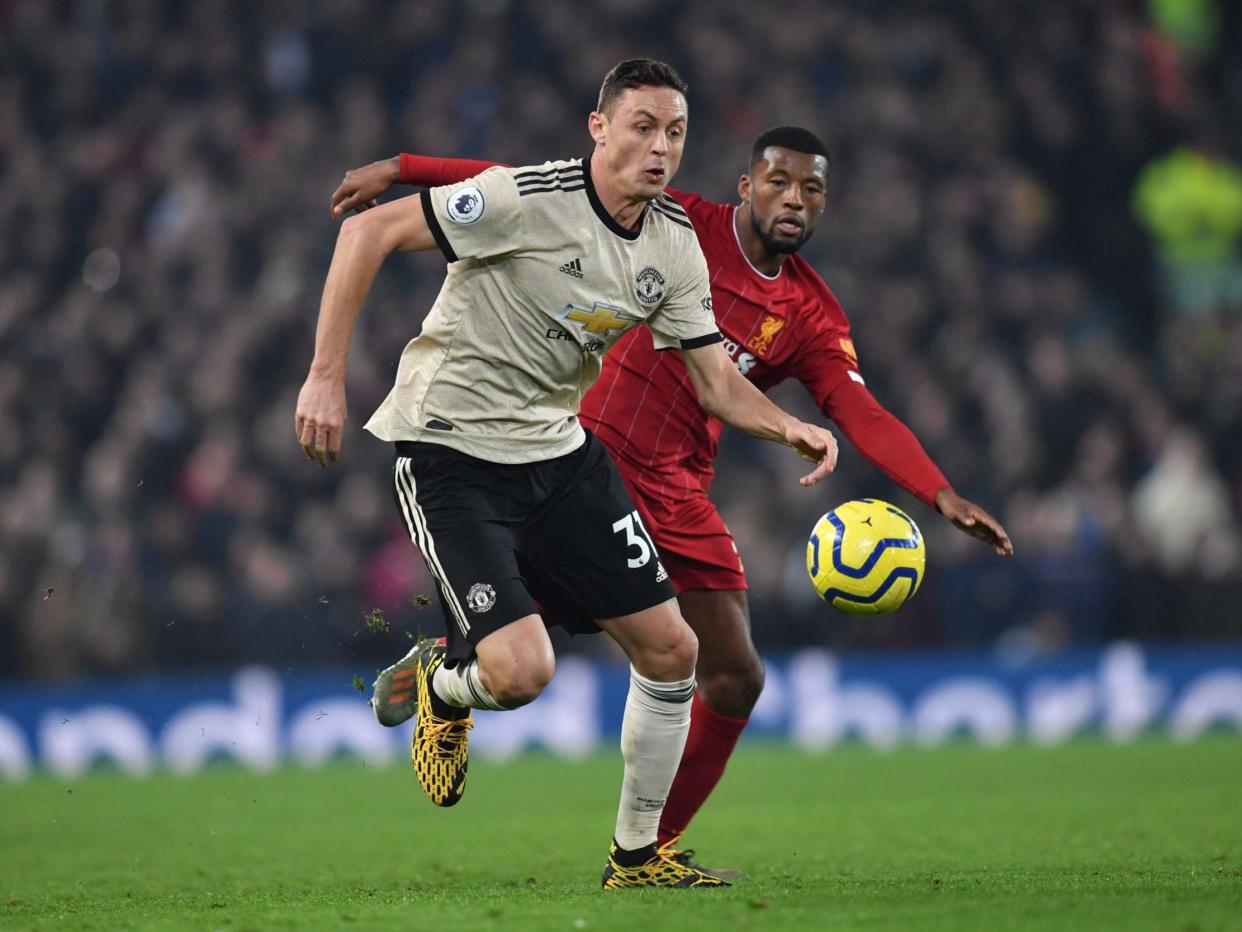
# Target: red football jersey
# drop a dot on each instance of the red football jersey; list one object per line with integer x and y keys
{"x": 789, "y": 325}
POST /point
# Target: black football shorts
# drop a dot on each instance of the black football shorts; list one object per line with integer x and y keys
{"x": 504, "y": 541}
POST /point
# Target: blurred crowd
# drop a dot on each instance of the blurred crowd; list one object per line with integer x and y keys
{"x": 1034, "y": 224}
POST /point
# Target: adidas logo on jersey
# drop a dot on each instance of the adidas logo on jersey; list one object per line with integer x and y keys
{"x": 573, "y": 267}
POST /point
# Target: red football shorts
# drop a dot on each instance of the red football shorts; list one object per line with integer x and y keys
{"x": 695, "y": 546}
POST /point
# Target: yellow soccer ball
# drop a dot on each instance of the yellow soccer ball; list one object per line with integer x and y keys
{"x": 866, "y": 557}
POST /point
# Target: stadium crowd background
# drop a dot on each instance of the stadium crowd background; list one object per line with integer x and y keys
{"x": 1034, "y": 223}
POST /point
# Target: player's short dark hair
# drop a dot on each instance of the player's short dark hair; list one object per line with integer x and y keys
{"x": 637, "y": 72}
{"x": 789, "y": 137}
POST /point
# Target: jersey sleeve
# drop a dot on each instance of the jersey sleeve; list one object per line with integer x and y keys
{"x": 826, "y": 361}
{"x": 885, "y": 441}
{"x": 427, "y": 171}
{"x": 685, "y": 319}
{"x": 477, "y": 218}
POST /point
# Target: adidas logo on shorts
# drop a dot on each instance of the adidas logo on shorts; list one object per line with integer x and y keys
{"x": 573, "y": 267}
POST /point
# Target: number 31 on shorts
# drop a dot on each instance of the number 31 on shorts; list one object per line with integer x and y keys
{"x": 635, "y": 536}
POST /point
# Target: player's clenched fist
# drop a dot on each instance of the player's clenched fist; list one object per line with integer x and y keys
{"x": 320, "y": 418}
{"x": 815, "y": 444}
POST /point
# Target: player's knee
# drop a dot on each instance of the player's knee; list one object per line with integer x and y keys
{"x": 670, "y": 655}
{"x": 521, "y": 681}
{"x": 521, "y": 688}
{"x": 685, "y": 652}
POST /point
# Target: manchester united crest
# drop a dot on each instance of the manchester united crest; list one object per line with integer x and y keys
{"x": 649, "y": 286}
{"x": 481, "y": 598}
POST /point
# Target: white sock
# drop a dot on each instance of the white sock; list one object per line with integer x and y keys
{"x": 653, "y": 735}
{"x": 462, "y": 687}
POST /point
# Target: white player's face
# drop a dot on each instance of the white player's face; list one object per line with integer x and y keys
{"x": 643, "y": 139}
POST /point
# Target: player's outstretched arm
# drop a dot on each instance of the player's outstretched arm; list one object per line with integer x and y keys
{"x": 361, "y": 246}
{"x": 361, "y": 186}
{"x": 727, "y": 394}
{"x": 888, "y": 443}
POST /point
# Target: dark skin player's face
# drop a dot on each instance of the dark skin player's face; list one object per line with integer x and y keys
{"x": 785, "y": 196}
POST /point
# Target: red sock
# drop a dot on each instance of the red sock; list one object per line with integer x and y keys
{"x": 710, "y": 742}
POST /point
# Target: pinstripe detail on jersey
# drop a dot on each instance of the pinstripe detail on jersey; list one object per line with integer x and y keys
{"x": 667, "y": 200}
{"x": 563, "y": 178}
{"x": 527, "y": 173}
{"x": 679, "y": 219}
{"x": 522, "y": 192}
{"x": 647, "y": 381}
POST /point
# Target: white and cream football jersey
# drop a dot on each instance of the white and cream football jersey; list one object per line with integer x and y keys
{"x": 541, "y": 282}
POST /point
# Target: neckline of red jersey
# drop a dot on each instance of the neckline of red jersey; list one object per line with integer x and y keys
{"x": 742, "y": 252}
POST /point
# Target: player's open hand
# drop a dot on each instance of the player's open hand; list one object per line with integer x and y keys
{"x": 320, "y": 419}
{"x": 969, "y": 517}
{"x": 362, "y": 186}
{"x": 815, "y": 444}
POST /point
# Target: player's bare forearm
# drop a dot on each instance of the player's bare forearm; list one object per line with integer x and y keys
{"x": 355, "y": 262}
{"x": 725, "y": 393}
{"x": 361, "y": 246}
{"x": 739, "y": 404}
{"x": 319, "y": 421}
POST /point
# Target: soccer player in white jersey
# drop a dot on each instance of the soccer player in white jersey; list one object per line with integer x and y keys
{"x": 502, "y": 490}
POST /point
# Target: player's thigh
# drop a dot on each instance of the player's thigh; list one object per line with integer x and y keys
{"x": 694, "y": 544}
{"x": 468, "y": 550}
{"x": 591, "y": 547}
{"x": 721, "y": 621}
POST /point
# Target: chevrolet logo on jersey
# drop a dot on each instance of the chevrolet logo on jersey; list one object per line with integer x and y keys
{"x": 601, "y": 319}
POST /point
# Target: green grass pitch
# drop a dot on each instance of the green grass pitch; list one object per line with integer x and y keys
{"x": 1085, "y": 836}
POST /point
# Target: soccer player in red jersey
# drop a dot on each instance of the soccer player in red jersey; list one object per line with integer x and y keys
{"x": 779, "y": 320}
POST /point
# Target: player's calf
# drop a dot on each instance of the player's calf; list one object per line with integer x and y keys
{"x": 735, "y": 690}
{"x": 729, "y": 671}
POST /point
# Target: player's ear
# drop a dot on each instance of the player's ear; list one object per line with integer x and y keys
{"x": 743, "y": 188}
{"x": 596, "y": 124}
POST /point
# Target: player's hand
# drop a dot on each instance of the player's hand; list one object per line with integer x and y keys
{"x": 969, "y": 517}
{"x": 815, "y": 444}
{"x": 363, "y": 185}
{"x": 320, "y": 418}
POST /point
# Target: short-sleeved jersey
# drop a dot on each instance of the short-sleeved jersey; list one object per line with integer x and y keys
{"x": 542, "y": 282}
{"x": 789, "y": 325}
